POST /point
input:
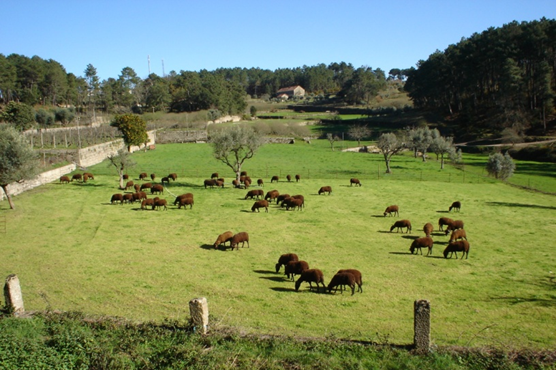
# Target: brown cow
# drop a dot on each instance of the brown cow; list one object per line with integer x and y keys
{"x": 89, "y": 175}
{"x": 126, "y": 177}
{"x": 259, "y": 204}
{"x": 127, "y": 198}
{"x": 325, "y": 189}
{"x": 173, "y": 176}
{"x": 160, "y": 203}
{"x": 148, "y": 202}
{"x": 85, "y": 178}
{"x": 297, "y": 178}
{"x": 274, "y": 178}
{"x": 117, "y": 198}
{"x": 65, "y": 179}
{"x": 260, "y": 182}
{"x": 223, "y": 239}
{"x": 186, "y": 202}
{"x": 254, "y": 193}
{"x": 153, "y": 176}
{"x": 293, "y": 203}
{"x": 142, "y": 176}
{"x": 354, "y": 181}
{"x": 137, "y": 188}
{"x": 165, "y": 179}
{"x": 241, "y": 237}
{"x": 289, "y": 178}
{"x": 76, "y": 177}
{"x": 183, "y": 196}
{"x": 211, "y": 183}
{"x": 157, "y": 189}
{"x": 146, "y": 185}
{"x": 214, "y": 175}
{"x": 128, "y": 185}
{"x": 271, "y": 195}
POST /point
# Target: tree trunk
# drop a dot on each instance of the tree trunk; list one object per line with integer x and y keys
{"x": 387, "y": 160}
{"x": 122, "y": 181}
{"x": 442, "y": 162}
{"x": 8, "y": 197}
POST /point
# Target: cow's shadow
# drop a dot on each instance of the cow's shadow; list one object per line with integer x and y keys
{"x": 280, "y": 289}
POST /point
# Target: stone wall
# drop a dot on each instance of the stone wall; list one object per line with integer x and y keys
{"x": 181, "y": 136}
{"x": 82, "y": 158}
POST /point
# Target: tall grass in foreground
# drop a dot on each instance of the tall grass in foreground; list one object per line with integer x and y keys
{"x": 72, "y": 250}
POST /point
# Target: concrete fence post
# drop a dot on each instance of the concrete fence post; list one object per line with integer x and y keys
{"x": 198, "y": 308}
{"x": 422, "y": 326}
{"x": 13, "y": 296}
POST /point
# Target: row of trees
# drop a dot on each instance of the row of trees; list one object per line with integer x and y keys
{"x": 36, "y": 81}
{"x": 501, "y": 78}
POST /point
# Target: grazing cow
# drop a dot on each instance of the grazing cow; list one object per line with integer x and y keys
{"x": 274, "y": 178}
{"x": 297, "y": 178}
{"x": 139, "y": 196}
{"x": 89, "y": 175}
{"x": 214, "y": 175}
{"x": 420, "y": 243}
{"x": 125, "y": 177}
{"x": 65, "y": 179}
{"x": 219, "y": 183}
{"x": 165, "y": 180}
{"x": 243, "y": 173}
{"x": 284, "y": 259}
{"x": 157, "y": 189}
{"x": 259, "y": 204}
{"x": 289, "y": 178}
{"x": 85, "y": 178}
{"x": 254, "y": 193}
{"x": 456, "y": 206}
{"x": 428, "y": 229}
{"x": 137, "y": 188}
{"x": 117, "y": 198}
{"x": 260, "y": 182}
{"x": 293, "y": 203}
{"x": 160, "y": 203}
{"x": 400, "y": 225}
{"x": 454, "y": 247}
{"x": 444, "y": 221}
{"x": 392, "y": 210}
{"x": 246, "y": 183}
{"x": 184, "y": 202}
{"x": 183, "y": 196}
{"x": 153, "y": 176}
{"x": 241, "y": 237}
{"x": 354, "y": 181}
{"x": 148, "y": 203}
{"x": 235, "y": 183}
{"x": 325, "y": 189}
{"x": 173, "y": 176}
{"x": 454, "y": 225}
{"x": 76, "y": 177}
{"x": 271, "y": 195}
{"x": 223, "y": 239}
{"x": 211, "y": 183}
{"x": 311, "y": 276}
{"x": 293, "y": 268}
{"x": 128, "y": 198}
{"x": 128, "y": 185}
{"x": 142, "y": 176}
{"x": 146, "y": 185}
{"x": 299, "y": 196}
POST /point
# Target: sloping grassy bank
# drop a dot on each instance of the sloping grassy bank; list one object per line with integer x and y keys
{"x": 71, "y": 341}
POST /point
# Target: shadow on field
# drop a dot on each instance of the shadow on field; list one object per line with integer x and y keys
{"x": 507, "y": 204}
{"x": 279, "y": 289}
{"x": 265, "y": 272}
{"x": 442, "y": 211}
{"x": 410, "y": 237}
{"x": 401, "y": 253}
{"x": 277, "y": 279}
{"x": 544, "y": 302}
{"x": 381, "y": 216}
{"x": 220, "y": 248}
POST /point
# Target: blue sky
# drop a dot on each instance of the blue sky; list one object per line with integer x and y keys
{"x": 210, "y": 34}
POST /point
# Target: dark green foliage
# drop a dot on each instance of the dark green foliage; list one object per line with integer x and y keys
{"x": 499, "y": 78}
{"x": 64, "y": 115}
{"x": 21, "y": 115}
{"x": 44, "y": 118}
{"x": 132, "y": 127}
{"x": 71, "y": 341}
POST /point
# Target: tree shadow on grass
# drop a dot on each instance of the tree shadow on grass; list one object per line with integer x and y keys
{"x": 543, "y": 302}
{"x": 509, "y": 204}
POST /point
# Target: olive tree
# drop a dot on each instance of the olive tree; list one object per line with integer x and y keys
{"x": 390, "y": 144}
{"x": 233, "y": 146}
{"x": 18, "y": 161}
{"x": 121, "y": 161}
{"x": 500, "y": 166}
{"x": 358, "y": 132}
{"x": 133, "y": 129}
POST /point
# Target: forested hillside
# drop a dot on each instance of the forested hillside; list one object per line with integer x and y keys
{"x": 500, "y": 79}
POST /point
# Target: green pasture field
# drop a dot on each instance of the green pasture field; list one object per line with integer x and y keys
{"x": 74, "y": 251}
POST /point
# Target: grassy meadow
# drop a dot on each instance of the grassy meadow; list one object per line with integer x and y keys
{"x": 74, "y": 251}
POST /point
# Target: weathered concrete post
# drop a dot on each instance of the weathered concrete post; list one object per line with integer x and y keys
{"x": 198, "y": 308}
{"x": 422, "y": 326}
{"x": 13, "y": 296}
